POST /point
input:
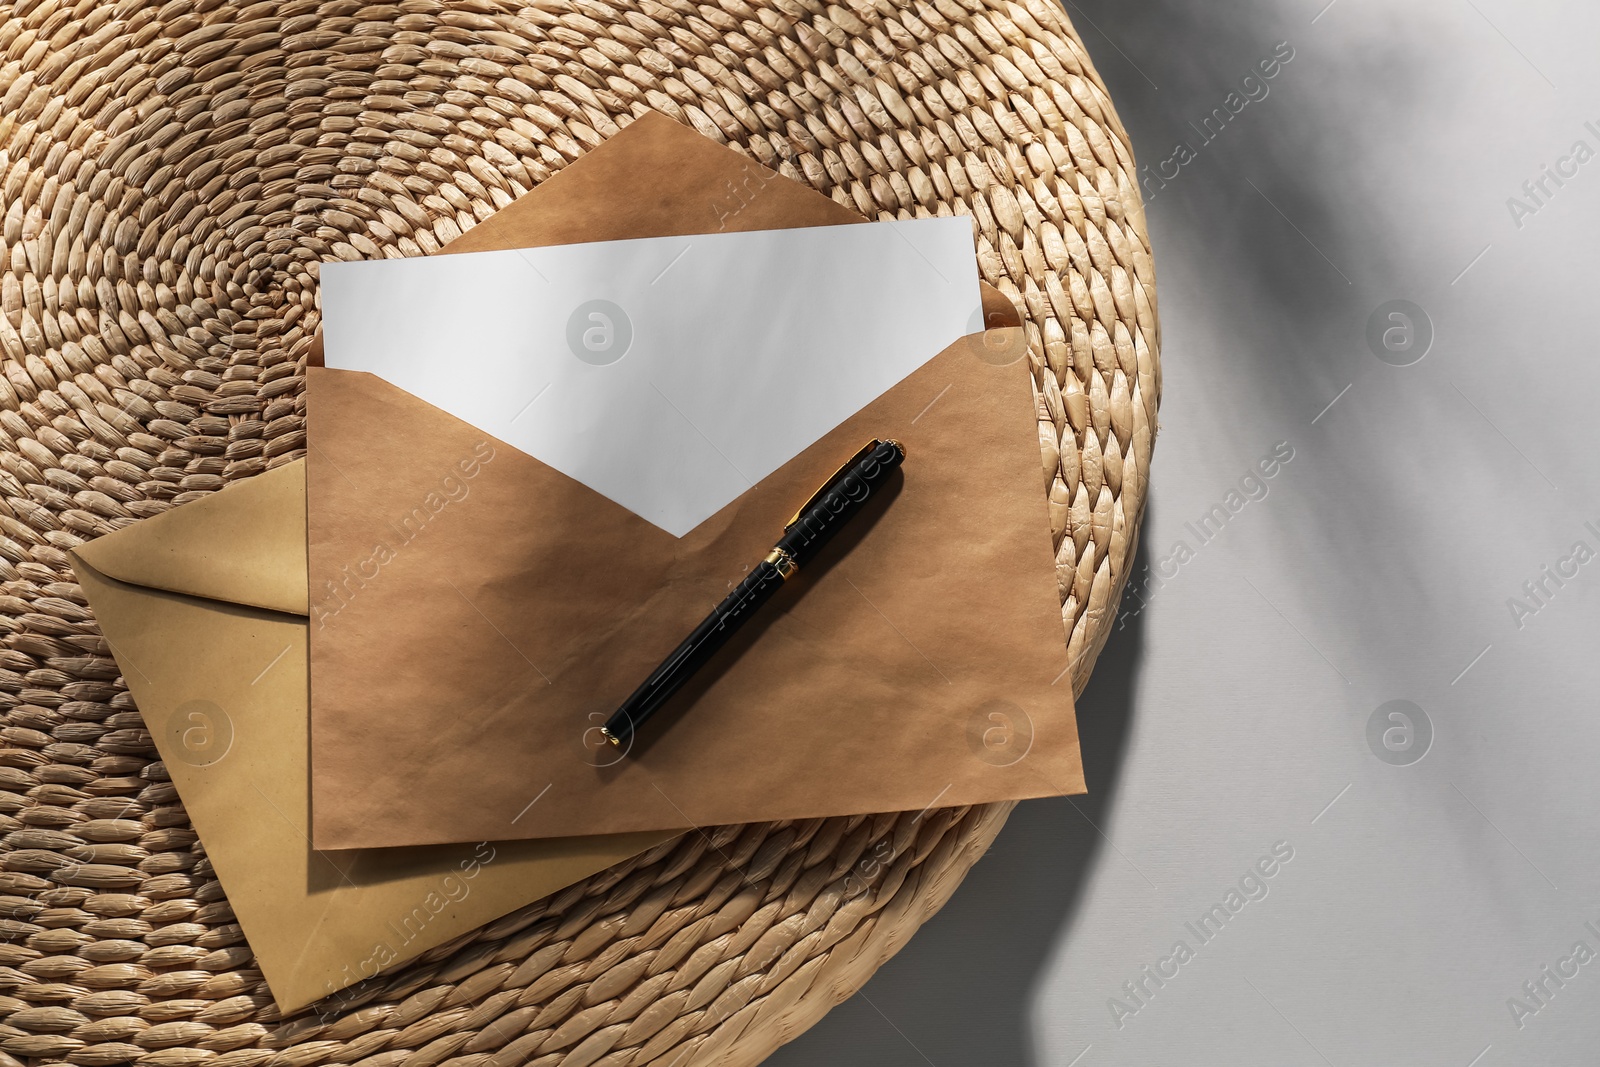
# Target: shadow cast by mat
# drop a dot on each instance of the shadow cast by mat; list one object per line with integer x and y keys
{"x": 961, "y": 991}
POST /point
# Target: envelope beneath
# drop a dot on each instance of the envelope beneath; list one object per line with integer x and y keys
{"x": 205, "y": 609}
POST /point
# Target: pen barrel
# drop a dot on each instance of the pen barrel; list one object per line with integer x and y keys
{"x": 714, "y": 632}
{"x": 802, "y": 539}
{"x": 835, "y": 506}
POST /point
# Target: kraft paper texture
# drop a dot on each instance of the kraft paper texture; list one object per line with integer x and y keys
{"x": 476, "y": 615}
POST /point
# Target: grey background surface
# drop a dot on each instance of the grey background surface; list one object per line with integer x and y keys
{"x": 1385, "y": 561}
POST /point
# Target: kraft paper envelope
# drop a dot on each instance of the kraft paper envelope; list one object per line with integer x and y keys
{"x": 477, "y": 613}
{"x": 205, "y": 610}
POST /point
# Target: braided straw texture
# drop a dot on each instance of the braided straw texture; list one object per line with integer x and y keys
{"x": 170, "y": 176}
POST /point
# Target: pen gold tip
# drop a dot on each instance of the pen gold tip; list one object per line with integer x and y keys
{"x": 609, "y": 736}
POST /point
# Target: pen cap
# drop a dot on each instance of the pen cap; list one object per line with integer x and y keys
{"x": 840, "y": 499}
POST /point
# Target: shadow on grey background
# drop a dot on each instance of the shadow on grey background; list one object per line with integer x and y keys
{"x": 962, "y": 991}
{"x": 1270, "y": 243}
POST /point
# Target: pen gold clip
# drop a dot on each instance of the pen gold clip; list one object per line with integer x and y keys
{"x": 840, "y": 473}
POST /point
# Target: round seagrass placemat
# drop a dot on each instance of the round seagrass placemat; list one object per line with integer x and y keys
{"x": 170, "y": 174}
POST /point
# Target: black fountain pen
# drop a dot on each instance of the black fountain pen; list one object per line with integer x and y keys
{"x": 811, "y": 527}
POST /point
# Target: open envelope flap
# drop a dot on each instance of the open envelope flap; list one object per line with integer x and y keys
{"x": 239, "y": 549}
{"x": 659, "y": 178}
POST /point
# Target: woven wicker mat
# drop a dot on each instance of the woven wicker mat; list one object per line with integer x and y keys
{"x": 169, "y": 177}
